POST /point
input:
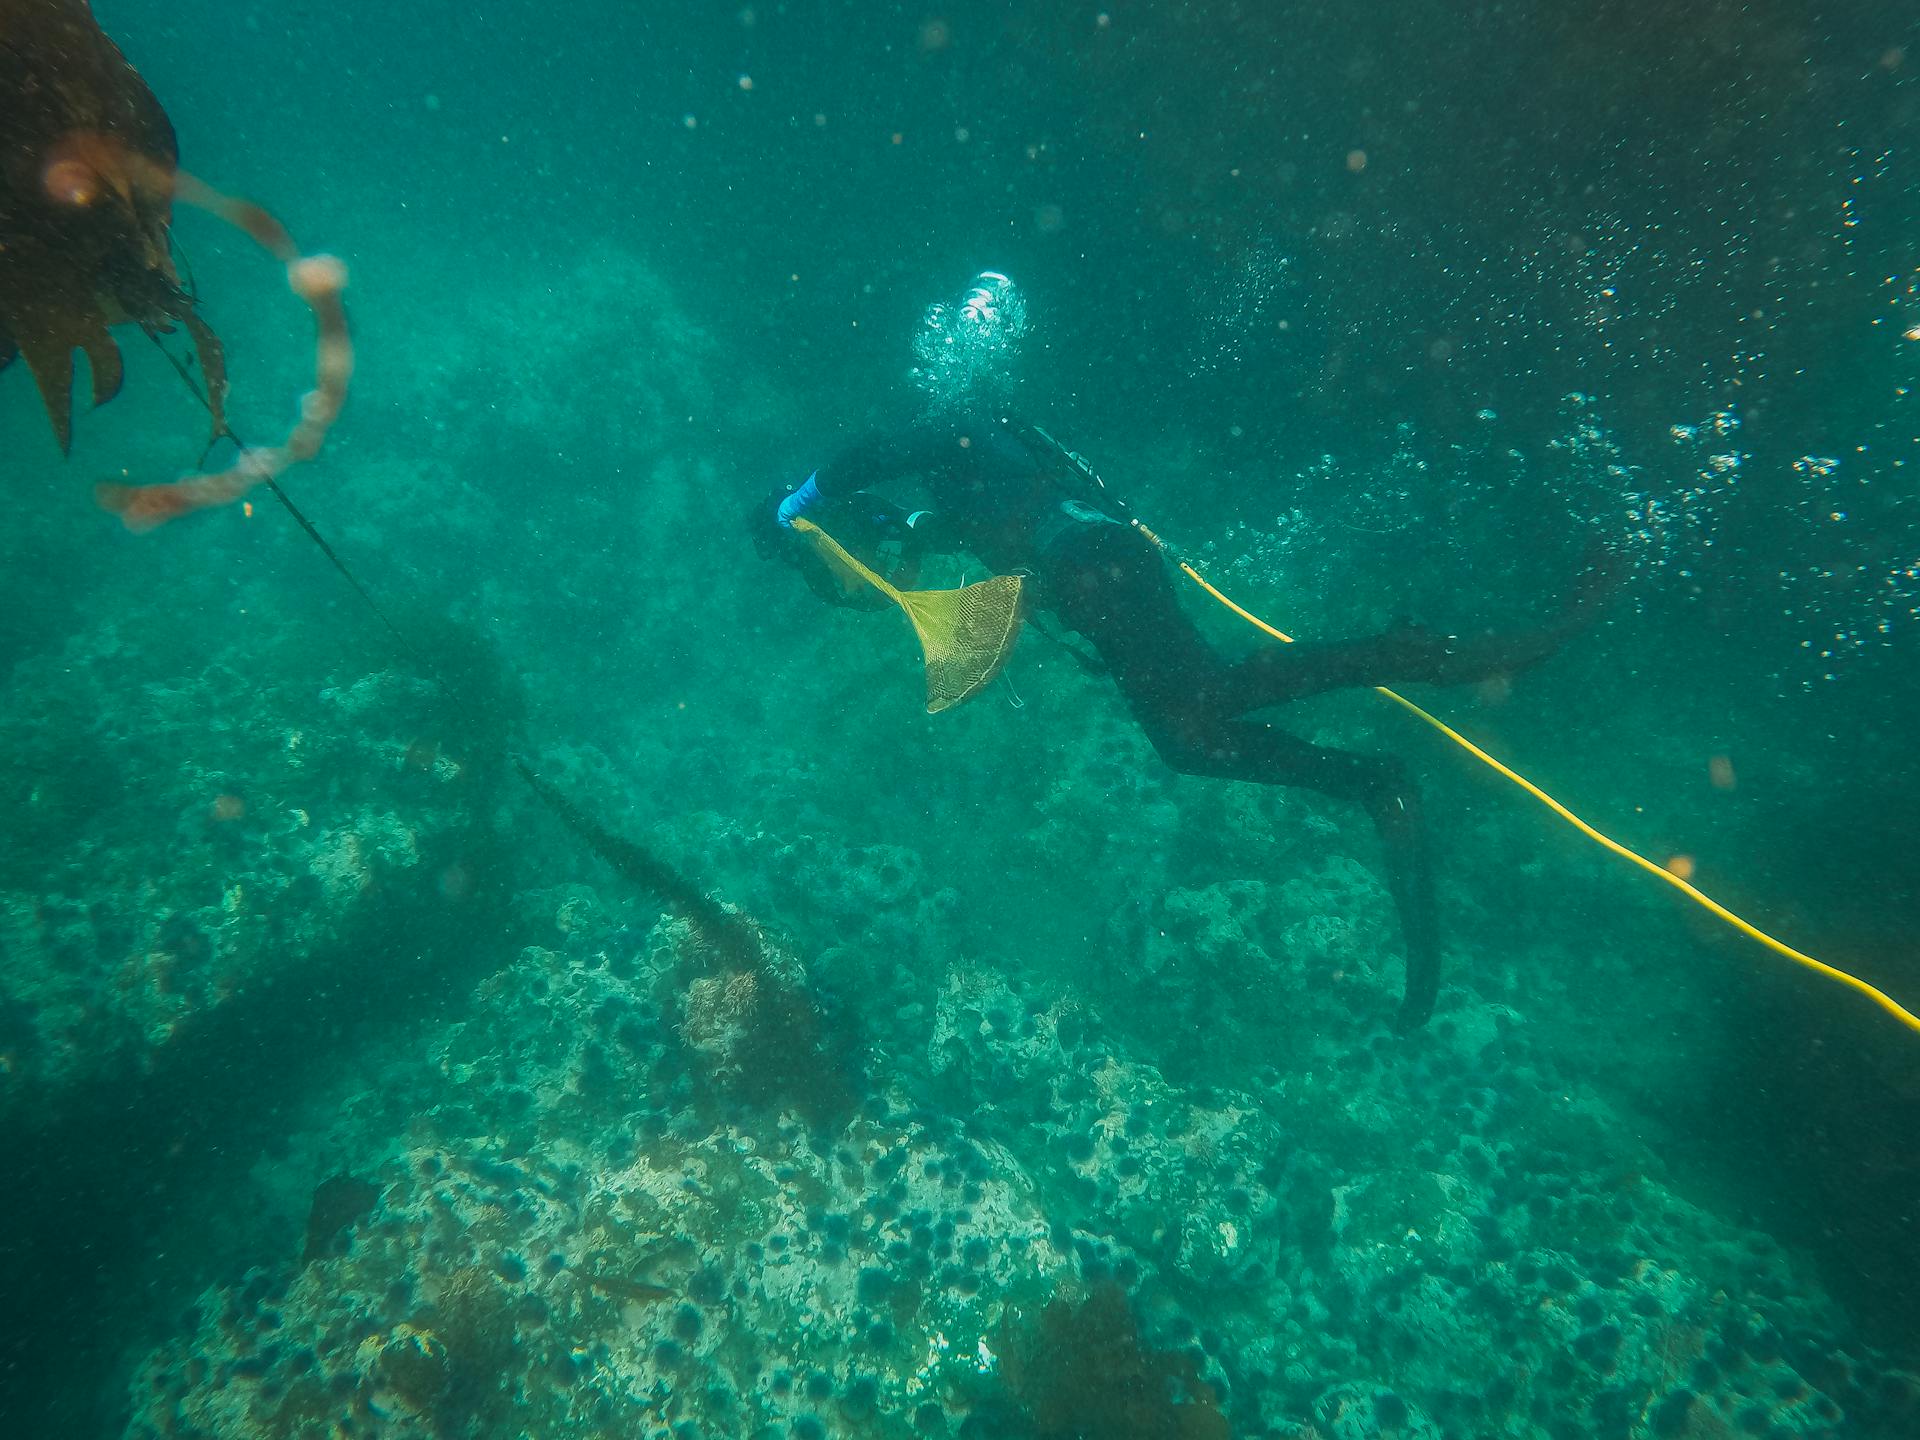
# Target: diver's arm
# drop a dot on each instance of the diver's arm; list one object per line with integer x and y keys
{"x": 932, "y": 456}
{"x": 879, "y": 461}
{"x": 810, "y": 495}
{"x": 844, "y": 474}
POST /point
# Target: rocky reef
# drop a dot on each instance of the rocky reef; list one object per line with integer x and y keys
{"x": 560, "y": 1218}
{"x": 187, "y": 841}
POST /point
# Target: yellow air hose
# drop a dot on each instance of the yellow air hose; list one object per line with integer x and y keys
{"x": 1705, "y": 901}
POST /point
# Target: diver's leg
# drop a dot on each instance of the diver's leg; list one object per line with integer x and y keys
{"x": 1403, "y": 836}
{"x": 1112, "y": 587}
{"x": 1242, "y": 750}
{"x": 1110, "y": 584}
{"x": 1406, "y": 654}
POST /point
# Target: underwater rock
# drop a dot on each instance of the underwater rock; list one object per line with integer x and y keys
{"x": 339, "y": 1203}
{"x": 748, "y": 1014}
{"x": 411, "y": 1367}
{"x": 193, "y": 849}
{"x": 1359, "y": 1412}
{"x": 1306, "y": 966}
{"x": 566, "y": 1232}
{"x": 1401, "y": 1220}
{"x": 1124, "y": 1153}
{"x": 609, "y": 1254}
{"x": 758, "y": 1035}
{"x": 1081, "y": 1368}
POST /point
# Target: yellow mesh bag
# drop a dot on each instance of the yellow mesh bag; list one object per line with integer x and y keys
{"x": 966, "y": 634}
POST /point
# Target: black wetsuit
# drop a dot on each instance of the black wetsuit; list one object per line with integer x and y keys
{"x": 998, "y": 496}
{"x": 988, "y": 491}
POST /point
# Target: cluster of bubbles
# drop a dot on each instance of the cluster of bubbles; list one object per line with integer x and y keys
{"x": 1655, "y": 523}
{"x": 964, "y": 351}
{"x": 1855, "y": 587}
{"x": 1858, "y": 587}
{"x": 1357, "y": 546}
{"x": 1248, "y": 304}
{"x": 1428, "y": 514}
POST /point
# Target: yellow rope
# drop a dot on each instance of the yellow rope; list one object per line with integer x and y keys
{"x": 1707, "y": 902}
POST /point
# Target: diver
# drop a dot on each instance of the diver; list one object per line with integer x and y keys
{"x": 1004, "y": 492}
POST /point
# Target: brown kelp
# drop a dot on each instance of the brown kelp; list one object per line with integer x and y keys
{"x": 746, "y": 1012}
{"x": 88, "y": 163}
{"x": 733, "y": 939}
{"x": 89, "y": 172}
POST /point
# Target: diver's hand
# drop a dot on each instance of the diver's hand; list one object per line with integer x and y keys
{"x": 773, "y": 539}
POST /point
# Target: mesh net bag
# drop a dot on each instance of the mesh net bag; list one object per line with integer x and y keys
{"x": 965, "y": 634}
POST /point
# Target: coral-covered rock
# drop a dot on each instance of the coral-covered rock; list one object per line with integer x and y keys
{"x": 188, "y": 845}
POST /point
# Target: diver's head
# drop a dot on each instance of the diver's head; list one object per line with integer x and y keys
{"x": 965, "y": 349}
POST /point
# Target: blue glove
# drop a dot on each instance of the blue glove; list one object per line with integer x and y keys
{"x": 801, "y": 500}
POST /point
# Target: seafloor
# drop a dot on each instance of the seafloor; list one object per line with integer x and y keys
{"x": 1042, "y": 1094}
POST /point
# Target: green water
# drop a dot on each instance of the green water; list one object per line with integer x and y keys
{"x": 1375, "y": 315}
